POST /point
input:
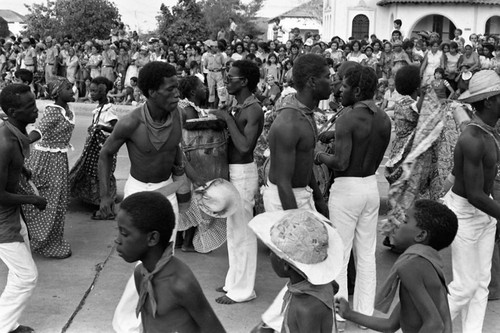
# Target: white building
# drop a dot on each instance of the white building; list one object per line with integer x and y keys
{"x": 357, "y": 18}
{"x": 14, "y": 20}
{"x": 306, "y": 17}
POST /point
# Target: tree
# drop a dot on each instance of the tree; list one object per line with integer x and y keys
{"x": 218, "y": 12}
{"x": 82, "y": 19}
{"x": 184, "y": 23}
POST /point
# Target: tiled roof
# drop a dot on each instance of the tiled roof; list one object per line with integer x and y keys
{"x": 312, "y": 9}
{"x": 11, "y": 16}
{"x": 439, "y": 2}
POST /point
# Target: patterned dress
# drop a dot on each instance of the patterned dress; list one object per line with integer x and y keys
{"x": 83, "y": 177}
{"x": 48, "y": 162}
{"x": 422, "y": 155}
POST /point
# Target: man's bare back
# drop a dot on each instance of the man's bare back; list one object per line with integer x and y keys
{"x": 474, "y": 146}
{"x": 291, "y": 141}
{"x": 361, "y": 139}
{"x": 420, "y": 277}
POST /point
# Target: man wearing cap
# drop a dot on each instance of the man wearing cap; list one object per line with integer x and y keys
{"x": 475, "y": 166}
{"x": 245, "y": 127}
{"x": 214, "y": 63}
{"x": 28, "y": 56}
{"x": 108, "y": 62}
{"x": 361, "y": 139}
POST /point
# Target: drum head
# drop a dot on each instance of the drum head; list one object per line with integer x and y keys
{"x": 205, "y": 123}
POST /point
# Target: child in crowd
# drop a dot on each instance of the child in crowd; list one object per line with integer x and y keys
{"x": 24, "y": 76}
{"x": 386, "y": 61}
{"x": 371, "y": 60}
{"x": 423, "y": 303}
{"x": 272, "y": 67}
{"x": 439, "y": 84}
{"x": 308, "y": 251}
{"x": 391, "y": 96}
{"x": 169, "y": 293}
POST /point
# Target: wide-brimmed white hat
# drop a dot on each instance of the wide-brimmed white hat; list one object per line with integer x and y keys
{"x": 305, "y": 239}
{"x": 482, "y": 85}
{"x": 219, "y": 198}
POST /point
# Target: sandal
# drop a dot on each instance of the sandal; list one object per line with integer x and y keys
{"x": 97, "y": 216}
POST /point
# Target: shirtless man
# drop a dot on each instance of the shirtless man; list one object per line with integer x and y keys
{"x": 475, "y": 166}
{"x": 244, "y": 129}
{"x": 18, "y": 102}
{"x": 292, "y": 140}
{"x": 152, "y": 134}
{"x": 362, "y": 135}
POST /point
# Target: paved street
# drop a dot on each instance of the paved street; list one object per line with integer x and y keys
{"x": 97, "y": 275}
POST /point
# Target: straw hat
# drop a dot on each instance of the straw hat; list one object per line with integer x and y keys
{"x": 303, "y": 238}
{"x": 219, "y": 198}
{"x": 482, "y": 85}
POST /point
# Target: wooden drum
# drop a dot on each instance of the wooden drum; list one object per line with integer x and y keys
{"x": 204, "y": 142}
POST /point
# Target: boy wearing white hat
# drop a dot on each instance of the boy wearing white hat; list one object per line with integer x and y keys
{"x": 306, "y": 249}
{"x": 476, "y": 156}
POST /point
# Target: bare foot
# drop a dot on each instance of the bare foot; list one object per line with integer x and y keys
{"x": 220, "y": 290}
{"x": 225, "y": 300}
{"x": 186, "y": 248}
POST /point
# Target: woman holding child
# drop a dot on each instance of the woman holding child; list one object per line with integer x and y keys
{"x": 48, "y": 162}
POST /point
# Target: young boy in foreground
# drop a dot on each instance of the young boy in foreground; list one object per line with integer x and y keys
{"x": 306, "y": 249}
{"x": 429, "y": 227}
{"x": 170, "y": 297}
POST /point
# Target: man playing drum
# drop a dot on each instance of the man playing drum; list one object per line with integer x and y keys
{"x": 245, "y": 127}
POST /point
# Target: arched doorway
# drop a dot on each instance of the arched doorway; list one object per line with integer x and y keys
{"x": 492, "y": 26}
{"x": 438, "y": 23}
{"x": 360, "y": 26}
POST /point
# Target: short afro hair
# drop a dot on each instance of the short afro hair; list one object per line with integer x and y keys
{"x": 24, "y": 74}
{"x": 250, "y": 71}
{"x": 188, "y": 84}
{"x": 151, "y": 76}
{"x": 151, "y": 211}
{"x": 407, "y": 80}
{"x": 363, "y": 77}
{"x": 307, "y": 66}
{"x": 438, "y": 220}
{"x": 103, "y": 80}
{"x": 10, "y": 96}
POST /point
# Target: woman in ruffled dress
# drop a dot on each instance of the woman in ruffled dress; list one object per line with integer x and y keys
{"x": 83, "y": 177}
{"x": 48, "y": 163}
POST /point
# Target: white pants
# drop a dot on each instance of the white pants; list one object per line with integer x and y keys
{"x": 273, "y": 316}
{"x": 125, "y": 319}
{"x": 21, "y": 280}
{"x": 354, "y": 204}
{"x": 215, "y": 82}
{"x": 241, "y": 241}
{"x": 471, "y": 251}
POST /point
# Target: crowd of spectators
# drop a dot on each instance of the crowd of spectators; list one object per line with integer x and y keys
{"x": 445, "y": 66}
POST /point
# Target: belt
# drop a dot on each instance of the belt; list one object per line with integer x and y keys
{"x": 216, "y": 70}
